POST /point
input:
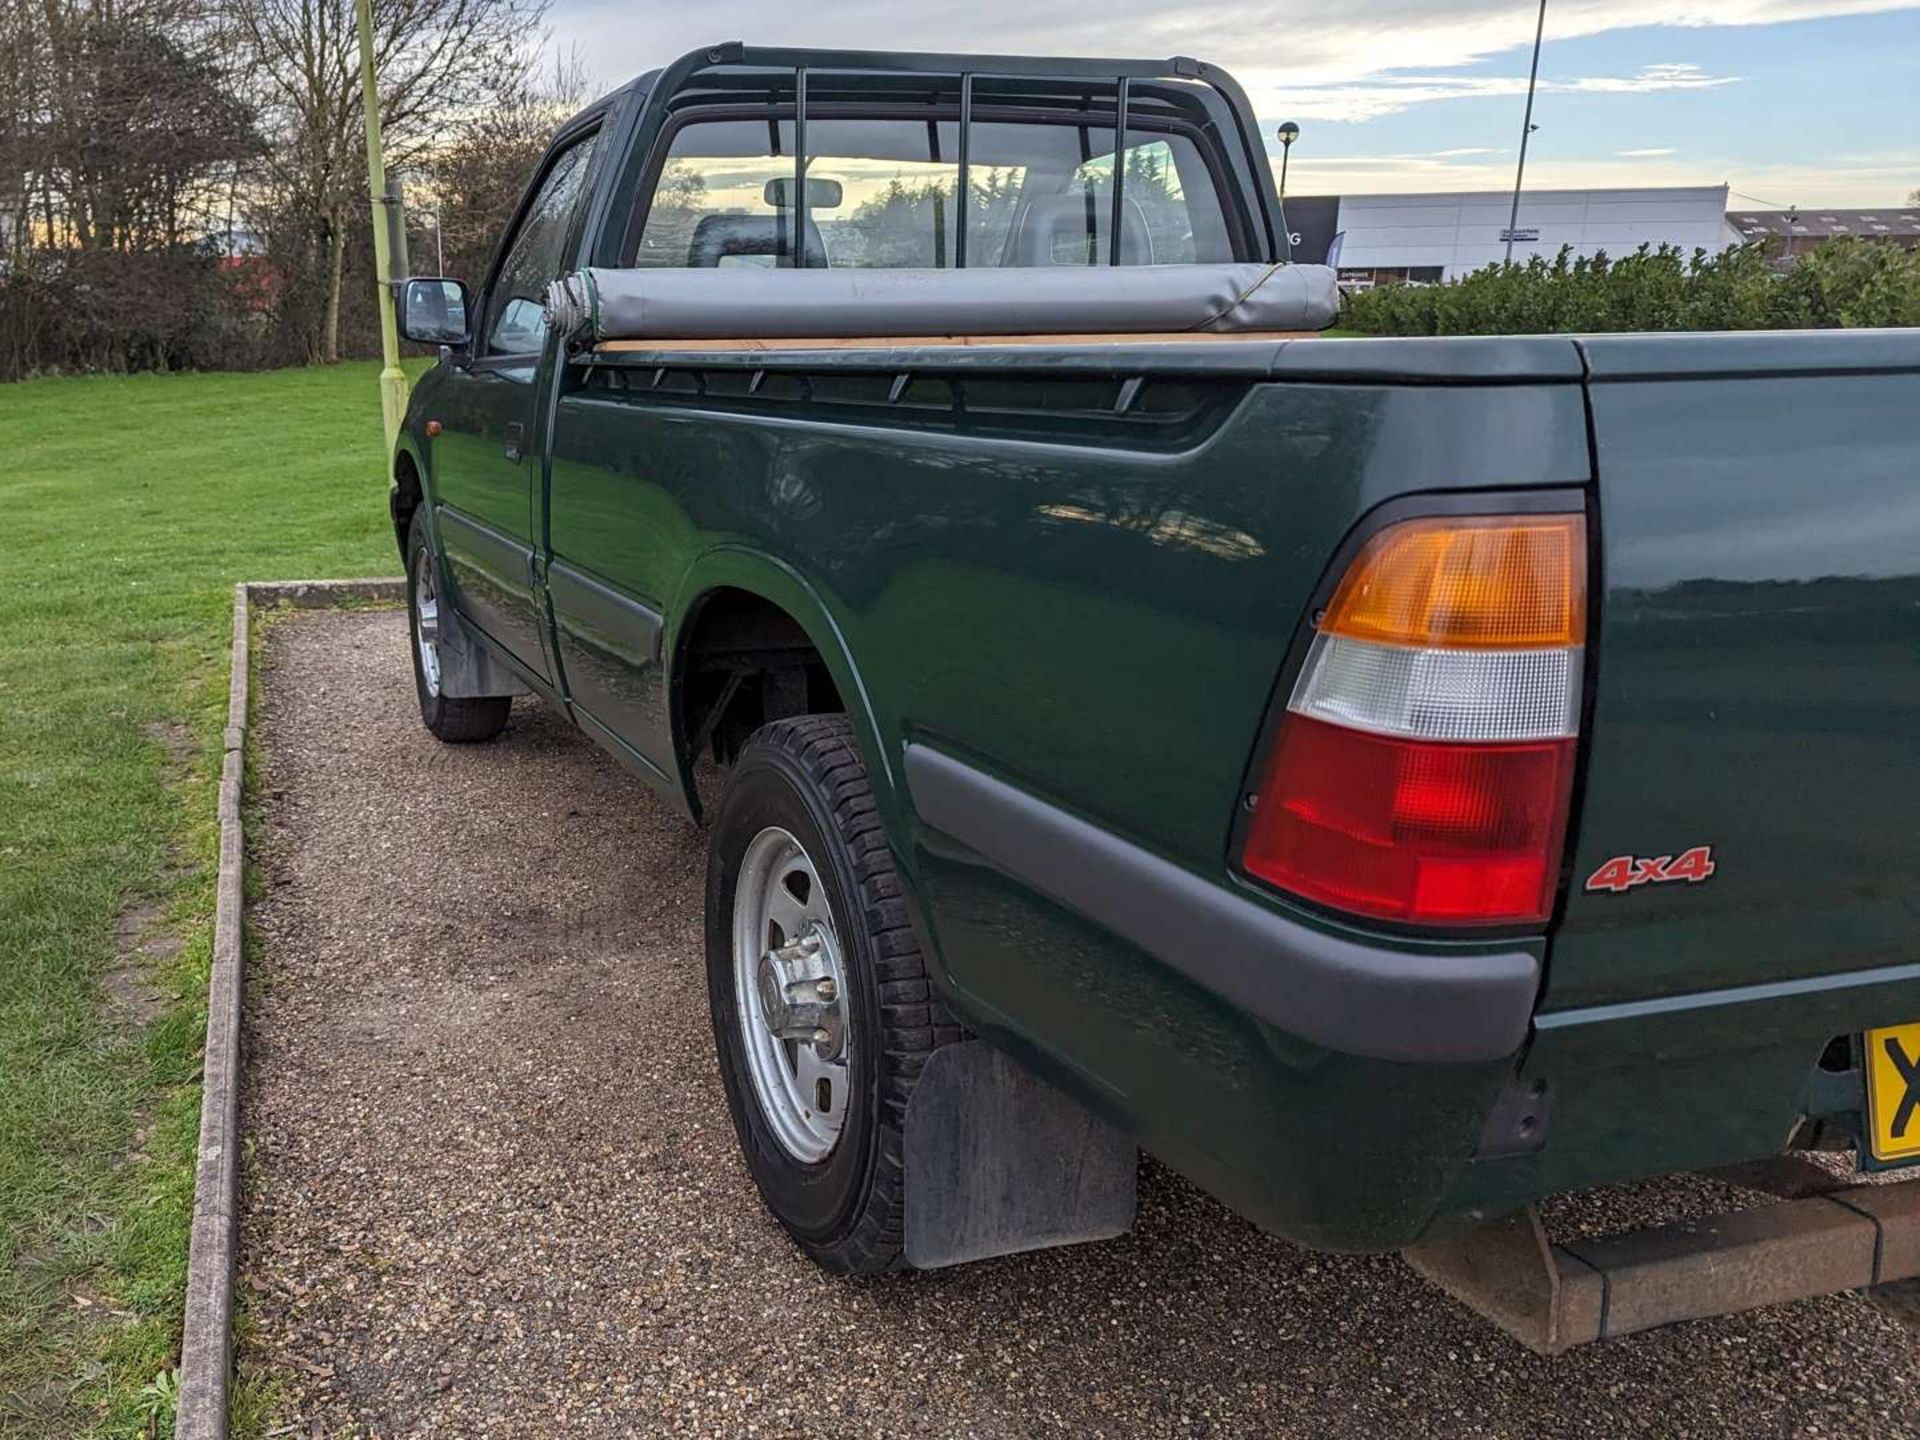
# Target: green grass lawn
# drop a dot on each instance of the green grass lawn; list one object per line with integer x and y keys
{"x": 131, "y": 507}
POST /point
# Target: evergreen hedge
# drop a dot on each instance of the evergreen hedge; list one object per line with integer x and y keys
{"x": 1843, "y": 283}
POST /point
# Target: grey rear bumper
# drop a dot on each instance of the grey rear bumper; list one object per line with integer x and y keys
{"x": 1359, "y": 998}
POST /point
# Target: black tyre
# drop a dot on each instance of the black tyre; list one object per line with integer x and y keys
{"x": 459, "y": 722}
{"x": 822, "y": 1012}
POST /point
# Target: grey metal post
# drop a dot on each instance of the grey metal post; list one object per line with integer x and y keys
{"x": 1526, "y": 129}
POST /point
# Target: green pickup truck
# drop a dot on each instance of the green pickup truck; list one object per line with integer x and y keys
{"x": 1389, "y": 781}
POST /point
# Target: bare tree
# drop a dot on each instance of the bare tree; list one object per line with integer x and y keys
{"x": 440, "y": 62}
{"x": 109, "y": 114}
{"x": 475, "y": 180}
{"x": 182, "y": 182}
{"x": 18, "y": 56}
{"x": 117, "y": 118}
{"x": 143, "y": 121}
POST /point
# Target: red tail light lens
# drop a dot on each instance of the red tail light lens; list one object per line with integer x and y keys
{"x": 1413, "y": 830}
{"x": 1424, "y": 767}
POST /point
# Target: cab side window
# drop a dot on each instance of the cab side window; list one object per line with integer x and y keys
{"x": 515, "y": 311}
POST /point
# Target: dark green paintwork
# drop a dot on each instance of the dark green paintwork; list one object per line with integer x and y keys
{"x": 1758, "y": 690}
{"x": 1093, "y": 599}
{"x": 1760, "y": 686}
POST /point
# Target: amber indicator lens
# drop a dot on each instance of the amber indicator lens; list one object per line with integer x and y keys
{"x": 1516, "y": 581}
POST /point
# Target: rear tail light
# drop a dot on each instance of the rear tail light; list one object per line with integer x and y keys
{"x": 1423, "y": 768}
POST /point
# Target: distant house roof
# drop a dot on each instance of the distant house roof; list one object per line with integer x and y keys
{"x": 1818, "y": 223}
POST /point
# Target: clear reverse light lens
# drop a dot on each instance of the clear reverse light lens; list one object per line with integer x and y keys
{"x": 1433, "y": 694}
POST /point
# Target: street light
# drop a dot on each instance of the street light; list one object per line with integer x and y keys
{"x": 1289, "y": 132}
{"x": 1527, "y": 127}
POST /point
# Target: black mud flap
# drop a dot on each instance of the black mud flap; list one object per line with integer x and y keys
{"x": 998, "y": 1161}
{"x": 467, "y": 668}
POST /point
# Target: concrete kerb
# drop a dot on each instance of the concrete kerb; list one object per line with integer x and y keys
{"x": 206, "y": 1344}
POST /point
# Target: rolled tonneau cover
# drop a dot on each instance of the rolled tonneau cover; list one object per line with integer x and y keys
{"x": 590, "y": 306}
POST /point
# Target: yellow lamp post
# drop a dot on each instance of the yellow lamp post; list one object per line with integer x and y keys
{"x": 393, "y": 380}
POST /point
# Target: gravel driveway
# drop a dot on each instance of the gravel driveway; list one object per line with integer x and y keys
{"x": 492, "y": 1189}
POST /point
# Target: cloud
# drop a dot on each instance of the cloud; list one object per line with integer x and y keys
{"x": 1880, "y": 178}
{"x": 1438, "y": 160}
{"x": 1651, "y": 77}
{"x": 1390, "y": 94}
{"x": 1277, "y": 48}
{"x": 1353, "y": 61}
{"x": 1651, "y": 153}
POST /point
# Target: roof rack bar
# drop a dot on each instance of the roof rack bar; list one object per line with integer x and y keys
{"x": 1114, "y": 227}
{"x": 1263, "y": 213}
{"x": 966, "y": 205}
{"x": 1076, "y": 69}
{"x": 800, "y": 206}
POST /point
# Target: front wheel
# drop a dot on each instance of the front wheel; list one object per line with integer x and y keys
{"x": 457, "y": 721}
{"x": 822, "y": 1012}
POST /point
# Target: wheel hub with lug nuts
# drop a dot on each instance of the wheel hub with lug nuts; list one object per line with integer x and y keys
{"x": 799, "y": 996}
{"x": 790, "y": 996}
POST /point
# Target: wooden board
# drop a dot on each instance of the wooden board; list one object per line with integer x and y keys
{"x": 919, "y": 342}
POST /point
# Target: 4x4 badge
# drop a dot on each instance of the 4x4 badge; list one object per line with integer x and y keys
{"x": 1624, "y": 872}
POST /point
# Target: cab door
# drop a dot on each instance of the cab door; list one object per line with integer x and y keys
{"x": 487, "y": 461}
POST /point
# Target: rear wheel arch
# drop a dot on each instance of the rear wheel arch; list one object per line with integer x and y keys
{"x": 728, "y": 586}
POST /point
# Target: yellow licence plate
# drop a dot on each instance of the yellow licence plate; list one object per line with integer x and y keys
{"x": 1893, "y": 1092}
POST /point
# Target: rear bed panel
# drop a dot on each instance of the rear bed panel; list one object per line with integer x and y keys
{"x": 1758, "y": 664}
{"x": 1086, "y": 596}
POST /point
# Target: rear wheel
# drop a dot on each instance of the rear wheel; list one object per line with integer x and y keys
{"x": 457, "y": 721}
{"x": 822, "y": 1012}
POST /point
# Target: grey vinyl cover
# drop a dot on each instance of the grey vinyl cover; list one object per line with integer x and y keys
{"x": 741, "y": 303}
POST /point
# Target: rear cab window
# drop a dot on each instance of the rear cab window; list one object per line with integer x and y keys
{"x": 884, "y": 191}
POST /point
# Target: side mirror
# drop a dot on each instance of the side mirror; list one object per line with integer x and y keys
{"x": 434, "y": 312}
{"x": 821, "y": 194}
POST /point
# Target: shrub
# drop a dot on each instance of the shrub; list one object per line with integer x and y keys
{"x": 125, "y": 310}
{"x": 1849, "y": 284}
{"x": 1842, "y": 283}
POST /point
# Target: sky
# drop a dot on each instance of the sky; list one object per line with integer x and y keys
{"x": 1789, "y": 102}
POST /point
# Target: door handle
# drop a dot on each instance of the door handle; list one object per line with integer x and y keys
{"x": 516, "y": 436}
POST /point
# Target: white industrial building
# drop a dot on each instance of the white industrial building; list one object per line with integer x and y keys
{"x": 1444, "y": 236}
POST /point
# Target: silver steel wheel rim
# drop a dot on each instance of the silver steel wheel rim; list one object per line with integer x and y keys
{"x": 426, "y": 621}
{"x": 789, "y": 987}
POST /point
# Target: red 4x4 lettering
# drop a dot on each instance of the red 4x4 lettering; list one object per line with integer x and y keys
{"x": 1623, "y": 872}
